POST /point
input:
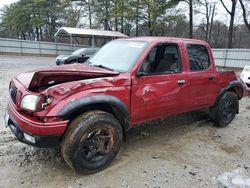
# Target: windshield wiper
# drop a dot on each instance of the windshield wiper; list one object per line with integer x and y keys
{"x": 103, "y": 67}
{"x": 100, "y": 66}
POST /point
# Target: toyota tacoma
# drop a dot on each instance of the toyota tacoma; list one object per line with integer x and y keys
{"x": 87, "y": 109}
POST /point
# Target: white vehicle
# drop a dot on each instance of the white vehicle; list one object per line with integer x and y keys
{"x": 245, "y": 75}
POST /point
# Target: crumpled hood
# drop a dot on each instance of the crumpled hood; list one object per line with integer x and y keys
{"x": 44, "y": 78}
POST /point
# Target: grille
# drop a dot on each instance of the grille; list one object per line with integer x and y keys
{"x": 13, "y": 93}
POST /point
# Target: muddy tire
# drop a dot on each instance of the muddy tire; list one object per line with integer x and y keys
{"x": 91, "y": 142}
{"x": 225, "y": 111}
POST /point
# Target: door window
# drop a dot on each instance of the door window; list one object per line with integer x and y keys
{"x": 198, "y": 57}
{"x": 162, "y": 59}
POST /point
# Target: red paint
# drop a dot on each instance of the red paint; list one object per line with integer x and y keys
{"x": 34, "y": 126}
{"x": 147, "y": 97}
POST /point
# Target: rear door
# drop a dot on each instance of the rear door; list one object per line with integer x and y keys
{"x": 201, "y": 76}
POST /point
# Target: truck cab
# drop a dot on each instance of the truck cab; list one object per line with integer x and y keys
{"x": 87, "y": 108}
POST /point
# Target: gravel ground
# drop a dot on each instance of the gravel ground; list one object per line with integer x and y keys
{"x": 181, "y": 151}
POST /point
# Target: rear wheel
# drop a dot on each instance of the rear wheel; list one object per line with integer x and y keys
{"x": 92, "y": 142}
{"x": 226, "y": 109}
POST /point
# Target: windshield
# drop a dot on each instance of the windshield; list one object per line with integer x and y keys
{"x": 118, "y": 55}
{"x": 78, "y": 52}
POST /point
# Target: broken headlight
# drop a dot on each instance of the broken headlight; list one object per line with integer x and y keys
{"x": 30, "y": 102}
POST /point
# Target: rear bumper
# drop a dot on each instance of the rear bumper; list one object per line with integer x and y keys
{"x": 247, "y": 82}
{"x": 34, "y": 132}
{"x": 248, "y": 91}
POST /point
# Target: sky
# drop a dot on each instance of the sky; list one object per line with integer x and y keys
{"x": 6, "y": 2}
{"x": 221, "y": 12}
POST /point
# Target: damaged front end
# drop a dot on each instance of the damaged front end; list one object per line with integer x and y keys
{"x": 33, "y": 91}
{"x": 36, "y": 97}
{"x": 46, "y": 78}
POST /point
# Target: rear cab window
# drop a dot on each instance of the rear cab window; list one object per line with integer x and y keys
{"x": 198, "y": 57}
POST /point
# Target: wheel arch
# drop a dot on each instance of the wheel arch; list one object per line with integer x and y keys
{"x": 106, "y": 103}
{"x": 235, "y": 87}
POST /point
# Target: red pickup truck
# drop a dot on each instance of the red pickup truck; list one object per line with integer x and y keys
{"x": 88, "y": 108}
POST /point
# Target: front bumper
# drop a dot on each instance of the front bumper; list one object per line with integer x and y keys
{"x": 33, "y": 140}
{"x": 33, "y": 132}
{"x": 60, "y": 62}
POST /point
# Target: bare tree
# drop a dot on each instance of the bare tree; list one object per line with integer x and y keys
{"x": 191, "y": 15}
{"x": 247, "y": 23}
{"x": 137, "y": 18}
{"x": 209, "y": 14}
{"x": 231, "y": 26}
{"x": 90, "y": 13}
{"x": 190, "y": 19}
{"x": 211, "y": 25}
{"x": 190, "y": 5}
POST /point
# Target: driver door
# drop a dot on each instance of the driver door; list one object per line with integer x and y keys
{"x": 160, "y": 88}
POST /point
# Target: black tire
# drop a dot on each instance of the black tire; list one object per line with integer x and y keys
{"x": 92, "y": 141}
{"x": 73, "y": 61}
{"x": 225, "y": 111}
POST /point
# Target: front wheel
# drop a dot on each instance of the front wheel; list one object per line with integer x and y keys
{"x": 226, "y": 109}
{"x": 91, "y": 142}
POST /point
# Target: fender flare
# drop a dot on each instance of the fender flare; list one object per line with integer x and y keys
{"x": 231, "y": 86}
{"x": 120, "y": 110}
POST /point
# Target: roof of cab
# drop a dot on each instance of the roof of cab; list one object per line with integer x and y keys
{"x": 160, "y": 39}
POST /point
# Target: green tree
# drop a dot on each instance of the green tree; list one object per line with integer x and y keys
{"x": 153, "y": 11}
{"x": 102, "y": 9}
{"x": 32, "y": 19}
{"x": 73, "y": 12}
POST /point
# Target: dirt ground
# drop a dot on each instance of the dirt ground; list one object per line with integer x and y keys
{"x": 181, "y": 151}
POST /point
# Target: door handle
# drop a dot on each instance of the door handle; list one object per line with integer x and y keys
{"x": 211, "y": 78}
{"x": 181, "y": 82}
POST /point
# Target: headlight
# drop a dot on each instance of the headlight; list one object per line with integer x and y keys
{"x": 30, "y": 102}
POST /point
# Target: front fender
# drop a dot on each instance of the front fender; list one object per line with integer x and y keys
{"x": 117, "y": 107}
